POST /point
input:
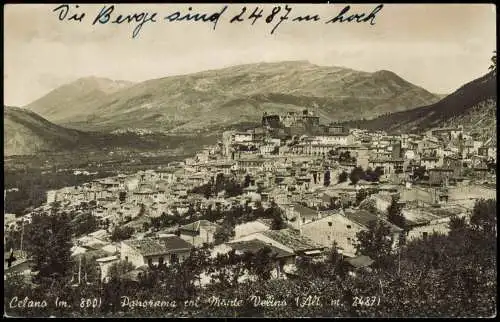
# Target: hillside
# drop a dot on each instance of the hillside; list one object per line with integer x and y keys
{"x": 220, "y": 98}
{"x": 472, "y": 106}
{"x": 75, "y": 99}
{"x": 27, "y": 133}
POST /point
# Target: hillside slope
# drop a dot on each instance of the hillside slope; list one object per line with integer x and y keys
{"x": 472, "y": 106}
{"x": 78, "y": 98}
{"x": 27, "y": 133}
{"x": 240, "y": 94}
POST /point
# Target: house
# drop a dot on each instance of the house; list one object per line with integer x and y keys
{"x": 250, "y": 227}
{"x": 389, "y": 165}
{"x": 199, "y": 232}
{"x": 282, "y": 256}
{"x": 454, "y": 163}
{"x": 382, "y": 201}
{"x": 301, "y": 214}
{"x": 422, "y": 222}
{"x": 287, "y": 239}
{"x": 105, "y": 264}
{"x": 440, "y": 176}
{"x": 430, "y": 162}
{"x": 333, "y": 228}
{"x": 342, "y": 228}
{"x": 149, "y": 251}
{"x": 488, "y": 149}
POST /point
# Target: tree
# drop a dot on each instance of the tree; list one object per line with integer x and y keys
{"x": 326, "y": 180}
{"x": 356, "y": 175}
{"x": 369, "y": 205}
{"x": 262, "y": 264}
{"x": 121, "y": 233}
{"x": 224, "y": 234}
{"x": 379, "y": 171}
{"x": 394, "y": 213}
{"x": 122, "y": 196}
{"x": 419, "y": 172}
{"x": 343, "y": 176}
{"x": 84, "y": 224}
{"x": 142, "y": 210}
{"x": 493, "y": 66}
{"x": 48, "y": 242}
{"x": 373, "y": 176}
{"x": 484, "y": 217}
{"x": 246, "y": 184}
{"x": 361, "y": 195}
{"x": 278, "y": 223}
{"x": 376, "y": 241}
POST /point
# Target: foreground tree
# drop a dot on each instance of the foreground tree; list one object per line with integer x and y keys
{"x": 375, "y": 242}
{"x": 48, "y": 241}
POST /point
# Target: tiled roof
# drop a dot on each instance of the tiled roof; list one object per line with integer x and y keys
{"x": 151, "y": 247}
{"x": 364, "y": 217}
{"x": 195, "y": 226}
{"x": 304, "y": 211}
{"x": 255, "y": 245}
{"x": 292, "y": 239}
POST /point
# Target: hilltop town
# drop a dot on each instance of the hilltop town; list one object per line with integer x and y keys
{"x": 292, "y": 184}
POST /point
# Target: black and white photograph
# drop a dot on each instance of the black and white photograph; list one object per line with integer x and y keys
{"x": 250, "y": 160}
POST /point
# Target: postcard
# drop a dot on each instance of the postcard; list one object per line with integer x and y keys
{"x": 250, "y": 160}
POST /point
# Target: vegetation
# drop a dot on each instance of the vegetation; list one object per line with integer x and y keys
{"x": 493, "y": 66}
{"x": 356, "y": 175}
{"x": 442, "y": 276}
{"x": 343, "y": 176}
{"x": 121, "y": 233}
{"x": 326, "y": 179}
{"x": 222, "y": 183}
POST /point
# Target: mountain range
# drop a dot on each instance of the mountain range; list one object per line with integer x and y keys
{"x": 472, "y": 106}
{"x": 211, "y": 100}
{"x": 92, "y": 113}
{"x": 26, "y": 132}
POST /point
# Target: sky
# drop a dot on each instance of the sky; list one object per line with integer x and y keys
{"x": 437, "y": 46}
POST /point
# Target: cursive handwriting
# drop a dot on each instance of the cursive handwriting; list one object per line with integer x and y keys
{"x": 358, "y": 17}
{"x": 214, "y": 17}
{"x": 274, "y": 17}
{"x": 105, "y": 15}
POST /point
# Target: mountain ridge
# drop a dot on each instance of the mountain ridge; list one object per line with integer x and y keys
{"x": 186, "y": 103}
{"x": 472, "y": 105}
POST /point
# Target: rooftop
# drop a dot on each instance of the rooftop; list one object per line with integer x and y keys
{"x": 292, "y": 239}
{"x": 195, "y": 226}
{"x": 360, "y": 261}
{"x": 151, "y": 247}
{"x": 364, "y": 217}
{"x": 255, "y": 245}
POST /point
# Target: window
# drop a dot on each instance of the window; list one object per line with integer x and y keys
{"x": 330, "y": 223}
{"x": 425, "y": 234}
{"x": 126, "y": 258}
{"x": 329, "y": 237}
{"x": 349, "y": 226}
